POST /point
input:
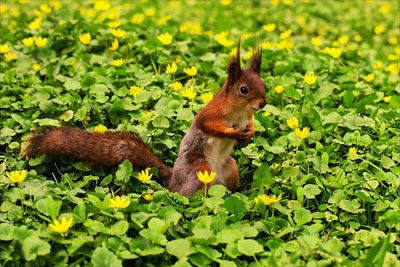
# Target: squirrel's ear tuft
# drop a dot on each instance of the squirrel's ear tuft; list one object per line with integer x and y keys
{"x": 234, "y": 70}
{"x": 256, "y": 61}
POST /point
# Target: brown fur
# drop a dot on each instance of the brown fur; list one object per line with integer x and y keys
{"x": 205, "y": 147}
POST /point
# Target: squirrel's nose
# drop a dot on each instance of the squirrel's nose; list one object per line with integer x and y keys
{"x": 262, "y": 104}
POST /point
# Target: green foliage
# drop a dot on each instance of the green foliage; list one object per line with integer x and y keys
{"x": 333, "y": 206}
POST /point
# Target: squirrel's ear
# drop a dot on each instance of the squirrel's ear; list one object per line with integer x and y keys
{"x": 234, "y": 70}
{"x": 256, "y": 61}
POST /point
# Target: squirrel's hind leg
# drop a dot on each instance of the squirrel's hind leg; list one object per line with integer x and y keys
{"x": 184, "y": 178}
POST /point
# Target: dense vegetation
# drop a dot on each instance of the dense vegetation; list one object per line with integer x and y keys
{"x": 320, "y": 180}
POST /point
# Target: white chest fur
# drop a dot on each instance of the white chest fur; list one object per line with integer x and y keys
{"x": 220, "y": 149}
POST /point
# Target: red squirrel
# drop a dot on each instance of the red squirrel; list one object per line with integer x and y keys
{"x": 207, "y": 146}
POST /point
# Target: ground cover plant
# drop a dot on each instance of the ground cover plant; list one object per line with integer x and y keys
{"x": 320, "y": 179}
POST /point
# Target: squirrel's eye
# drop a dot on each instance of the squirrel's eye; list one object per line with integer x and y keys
{"x": 244, "y": 90}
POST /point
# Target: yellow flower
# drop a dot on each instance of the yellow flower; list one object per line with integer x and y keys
{"x": 393, "y": 69}
{"x": 222, "y": 39}
{"x": 134, "y": 90}
{"x": 137, "y": 18}
{"x": 264, "y": 46}
{"x": 267, "y": 200}
{"x": 245, "y": 36}
{"x": 150, "y": 12}
{"x": 148, "y": 197}
{"x": 102, "y": 5}
{"x": 117, "y": 62}
{"x": 114, "y": 24}
{"x": 334, "y": 52}
{"x": 119, "y": 202}
{"x": 370, "y": 77}
{"x": 387, "y": 99}
{"x": 344, "y": 39}
{"x": 285, "y": 44}
{"x": 385, "y": 8}
{"x": 118, "y": 33}
{"x": 225, "y": 2}
{"x": 357, "y": 38}
{"x": 192, "y": 71}
{"x": 378, "y": 65}
{"x": 62, "y": 22}
{"x": 17, "y": 177}
{"x": 36, "y": 67}
{"x": 61, "y": 226}
{"x": 310, "y": 78}
{"x": 392, "y": 57}
{"x": 286, "y": 34}
{"x": 189, "y": 93}
{"x": 163, "y": 20}
{"x": 85, "y": 38}
{"x": 316, "y": 41}
{"x": 301, "y": 20}
{"x": 279, "y": 89}
{"x": 171, "y": 68}
{"x": 28, "y": 41}
{"x": 165, "y": 38}
{"x": 190, "y": 27}
{"x": 4, "y": 48}
{"x": 352, "y": 151}
{"x": 145, "y": 176}
{"x": 206, "y": 177}
{"x": 177, "y": 86}
{"x": 56, "y": 4}
{"x": 40, "y": 42}
{"x": 35, "y": 24}
{"x": 45, "y": 8}
{"x": 269, "y": 27}
{"x": 114, "y": 45}
{"x": 267, "y": 113}
{"x": 379, "y": 29}
{"x": 293, "y": 123}
{"x": 207, "y": 97}
{"x": 100, "y": 129}
{"x": 10, "y": 56}
{"x": 302, "y": 134}
{"x": 392, "y": 40}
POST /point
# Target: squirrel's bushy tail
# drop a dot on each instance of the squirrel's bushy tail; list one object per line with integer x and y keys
{"x": 110, "y": 148}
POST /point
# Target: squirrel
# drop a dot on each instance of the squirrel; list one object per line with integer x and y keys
{"x": 207, "y": 146}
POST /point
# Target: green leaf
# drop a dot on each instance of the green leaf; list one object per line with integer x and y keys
{"x": 302, "y": 216}
{"x": 160, "y": 122}
{"x": 235, "y": 206}
{"x": 116, "y": 111}
{"x": 249, "y": 247}
{"x": 158, "y": 225}
{"x": 229, "y": 236}
{"x": 72, "y": 84}
{"x": 124, "y": 172}
{"x": 351, "y": 206}
{"x": 311, "y": 190}
{"x": 34, "y": 246}
{"x": 102, "y": 257}
{"x": 262, "y": 178}
{"x": 180, "y": 248}
{"x": 6, "y": 231}
{"x": 387, "y": 162}
{"x": 119, "y": 228}
{"x": 376, "y": 254}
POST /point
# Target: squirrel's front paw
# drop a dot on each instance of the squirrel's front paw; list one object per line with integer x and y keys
{"x": 246, "y": 134}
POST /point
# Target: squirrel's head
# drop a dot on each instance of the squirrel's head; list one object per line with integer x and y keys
{"x": 246, "y": 85}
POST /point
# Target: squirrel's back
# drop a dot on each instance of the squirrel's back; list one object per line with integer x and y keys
{"x": 104, "y": 149}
